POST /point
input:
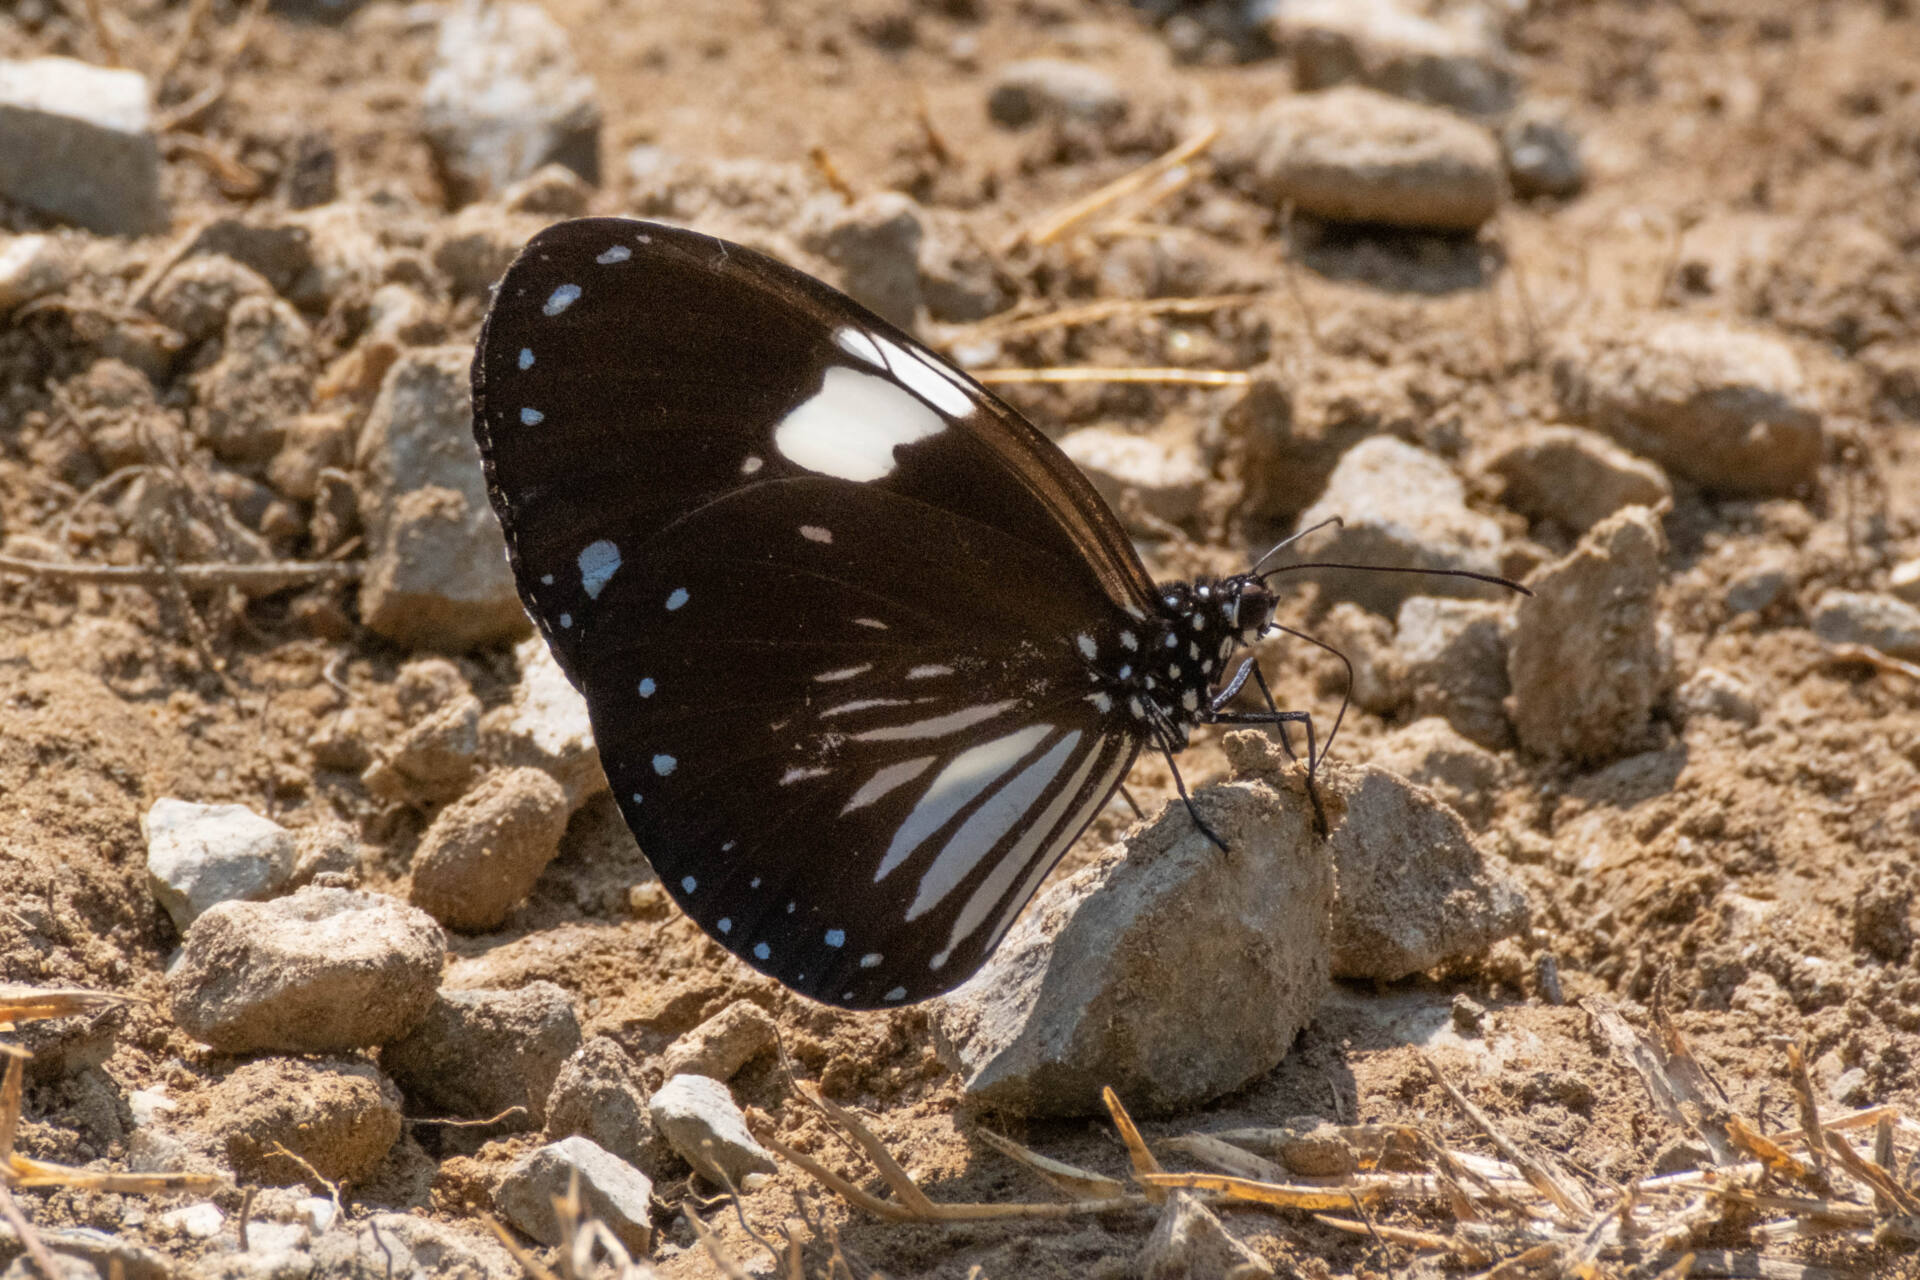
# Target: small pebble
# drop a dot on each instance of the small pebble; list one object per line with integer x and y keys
{"x": 202, "y": 854}
{"x": 615, "y": 1193}
{"x": 1054, "y": 89}
{"x": 485, "y": 851}
{"x": 480, "y": 1053}
{"x": 1859, "y": 617}
{"x": 698, "y": 1116}
{"x": 724, "y": 1043}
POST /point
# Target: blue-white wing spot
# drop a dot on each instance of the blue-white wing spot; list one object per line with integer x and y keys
{"x": 689, "y": 884}
{"x": 647, "y": 686}
{"x": 678, "y": 598}
{"x": 618, "y": 253}
{"x": 598, "y": 562}
{"x": 663, "y": 764}
{"x": 560, "y": 299}
{"x": 836, "y": 937}
{"x": 725, "y": 924}
{"x": 526, "y": 357}
{"x": 761, "y": 951}
{"x": 531, "y": 417}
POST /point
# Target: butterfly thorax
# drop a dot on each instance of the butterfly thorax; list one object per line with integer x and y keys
{"x": 1159, "y": 669}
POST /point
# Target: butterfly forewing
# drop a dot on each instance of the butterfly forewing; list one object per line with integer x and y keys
{"x": 822, "y": 594}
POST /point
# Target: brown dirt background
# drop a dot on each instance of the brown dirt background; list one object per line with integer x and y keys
{"x": 1756, "y": 160}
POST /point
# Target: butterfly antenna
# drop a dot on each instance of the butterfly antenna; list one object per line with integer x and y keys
{"x": 1313, "y": 762}
{"x": 1286, "y": 542}
{"x": 1493, "y": 579}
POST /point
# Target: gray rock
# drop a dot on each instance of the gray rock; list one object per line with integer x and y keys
{"x": 724, "y": 1043}
{"x": 546, "y": 727}
{"x": 313, "y": 443}
{"x": 327, "y": 848}
{"x": 1903, "y": 581}
{"x": 610, "y": 1189}
{"x": 1138, "y": 472}
{"x": 1353, "y": 155}
{"x": 1414, "y": 891}
{"x": 1190, "y": 1243}
{"x": 475, "y": 247}
{"x": 1396, "y": 49}
{"x": 32, "y": 267}
{"x": 958, "y": 278}
{"x": 198, "y": 295}
{"x": 874, "y": 244}
{"x": 434, "y": 759}
{"x": 1543, "y": 157}
{"x": 1104, "y": 979}
{"x": 1432, "y": 754}
{"x": 424, "y": 686}
{"x": 263, "y": 378}
{"x": 598, "y": 1094}
{"x": 1403, "y": 508}
{"x": 1727, "y": 408}
{"x": 1575, "y": 477}
{"x": 505, "y": 95}
{"x": 437, "y": 574}
{"x": 484, "y": 851}
{"x": 1861, "y": 617}
{"x": 341, "y": 1116}
{"x": 1054, "y": 89}
{"x": 1716, "y": 694}
{"x": 1453, "y": 663}
{"x": 1587, "y": 658}
{"x": 85, "y": 1254}
{"x": 200, "y": 854}
{"x": 77, "y": 142}
{"x": 1766, "y": 580}
{"x": 479, "y": 1053}
{"x": 699, "y": 1117}
{"x": 401, "y": 1246}
{"x": 320, "y": 971}
{"x": 278, "y": 249}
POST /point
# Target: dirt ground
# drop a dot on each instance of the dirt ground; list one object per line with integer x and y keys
{"x": 1755, "y": 161}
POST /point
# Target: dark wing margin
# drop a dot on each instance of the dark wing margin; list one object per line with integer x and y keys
{"x": 821, "y": 592}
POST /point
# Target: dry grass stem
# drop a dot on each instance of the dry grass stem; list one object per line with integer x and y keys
{"x": 1175, "y": 377}
{"x": 1081, "y": 1184}
{"x": 1107, "y": 309}
{"x": 1058, "y": 224}
{"x": 1144, "y": 1161}
{"x": 265, "y": 577}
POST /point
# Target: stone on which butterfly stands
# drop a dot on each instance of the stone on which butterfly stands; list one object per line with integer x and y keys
{"x": 1165, "y": 969}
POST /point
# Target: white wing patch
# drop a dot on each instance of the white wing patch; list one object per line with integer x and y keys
{"x": 937, "y": 726}
{"x": 851, "y": 426}
{"x": 988, "y": 825}
{"x": 972, "y": 772}
{"x": 894, "y": 775}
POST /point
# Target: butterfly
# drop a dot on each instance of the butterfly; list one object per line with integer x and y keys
{"x": 864, "y": 652}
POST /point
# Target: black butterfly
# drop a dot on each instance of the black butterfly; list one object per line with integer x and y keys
{"x": 864, "y": 652}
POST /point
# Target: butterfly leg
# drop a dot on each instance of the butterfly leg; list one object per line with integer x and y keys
{"x": 1180, "y": 785}
{"x": 1133, "y": 804}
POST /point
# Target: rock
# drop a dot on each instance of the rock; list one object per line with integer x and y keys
{"x": 958, "y": 278}
{"x": 1139, "y": 471}
{"x": 1587, "y": 658}
{"x": 504, "y": 96}
{"x": 434, "y": 760}
{"x": 546, "y": 727}
{"x": 340, "y": 743}
{"x": 77, "y": 142}
{"x": 437, "y": 574}
{"x": 1415, "y": 891}
{"x": 1431, "y": 754}
{"x": 612, "y": 1190}
{"x": 339, "y": 1115}
{"x": 1099, "y": 981}
{"x": 401, "y": 1246}
{"x": 698, "y": 1116}
{"x": 1190, "y": 1243}
{"x": 424, "y": 686}
{"x": 1727, "y": 408}
{"x": 1403, "y": 508}
{"x": 1389, "y": 46}
{"x": 1353, "y": 155}
{"x": 1054, "y": 89}
{"x": 1716, "y": 694}
{"x": 1453, "y": 663}
{"x": 320, "y": 971}
{"x": 1379, "y": 683}
{"x": 1861, "y": 617}
{"x": 327, "y": 848}
{"x": 198, "y": 295}
{"x": 1882, "y": 923}
{"x": 598, "y": 1094}
{"x": 475, "y": 247}
{"x": 314, "y": 442}
{"x": 201, "y": 854}
{"x": 724, "y": 1043}
{"x": 479, "y": 1053}
{"x": 484, "y": 852}
{"x": 263, "y": 379}
{"x": 32, "y": 267}
{"x": 279, "y": 250}
{"x": 1575, "y": 477}
{"x": 875, "y": 245}
{"x": 114, "y": 406}
{"x": 1543, "y": 156}
{"x": 1768, "y": 579}
{"x": 1903, "y": 581}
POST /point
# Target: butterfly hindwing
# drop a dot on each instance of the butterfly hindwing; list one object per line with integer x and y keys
{"x": 821, "y": 592}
